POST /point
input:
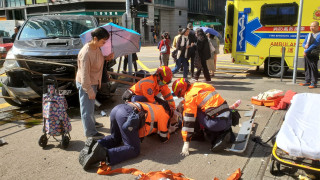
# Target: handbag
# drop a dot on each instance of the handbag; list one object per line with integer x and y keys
{"x": 212, "y": 49}
{"x": 164, "y": 48}
{"x": 174, "y": 54}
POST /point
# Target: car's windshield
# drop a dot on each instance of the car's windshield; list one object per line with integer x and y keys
{"x": 46, "y": 28}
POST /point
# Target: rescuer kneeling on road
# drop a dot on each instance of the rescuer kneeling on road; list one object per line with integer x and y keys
{"x": 148, "y": 88}
{"x": 130, "y": 123}
{"x": 204, "y": 110}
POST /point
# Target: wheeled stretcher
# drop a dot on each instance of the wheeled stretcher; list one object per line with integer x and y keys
{"x": 298, "y": 141}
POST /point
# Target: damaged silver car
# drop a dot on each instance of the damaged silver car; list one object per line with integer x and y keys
{"x": 47, "y": 45}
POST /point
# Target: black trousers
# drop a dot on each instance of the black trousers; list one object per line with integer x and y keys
{"x": 311, "y": 68}
{"x": 192, "y": 57}
{"x": 125, "y": 63}
{"x": 205, "y": 71}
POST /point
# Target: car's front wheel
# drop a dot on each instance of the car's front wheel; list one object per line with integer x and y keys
{"x": 13, "y": 102}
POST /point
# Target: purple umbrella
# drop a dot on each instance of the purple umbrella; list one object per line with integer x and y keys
{"x": 211, "y": 31}
{"x": 122, "y": 41}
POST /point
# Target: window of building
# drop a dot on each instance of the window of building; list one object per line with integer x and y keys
{"x": 279, "y": 14}
{"x": 179, "y": 13}
{"x": 15, "y": 3}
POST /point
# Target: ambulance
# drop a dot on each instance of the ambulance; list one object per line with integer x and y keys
{"x": 256, "y": 31}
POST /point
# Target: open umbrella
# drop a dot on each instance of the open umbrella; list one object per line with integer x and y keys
{"x": 211, "y": 31}
{"x": 122, "y": 41}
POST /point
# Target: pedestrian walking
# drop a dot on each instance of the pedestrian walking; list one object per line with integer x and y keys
{"x": 192, "y": 50}
{"x": 130, "y": 123}
{"x": 203, "y": 50}
{"x": 88, "y": 79}
{"x": 183, "y": 54}
{"x": 204, "y": 111}
{"x": 174, "y": 45}
{"x": 311, "y": 45}
{"x": 212, "y": 62}
{"x": 164, "y": 49}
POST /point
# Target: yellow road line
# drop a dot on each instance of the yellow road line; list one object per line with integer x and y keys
{"x": 150, "y": 70}
{"x": 4, "y": 105}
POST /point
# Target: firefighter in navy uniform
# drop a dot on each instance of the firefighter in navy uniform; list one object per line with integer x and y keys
{"x": 130, "y": 123}
{"x": 203, "y": 106}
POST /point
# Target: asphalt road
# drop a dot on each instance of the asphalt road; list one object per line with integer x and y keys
{"x": 22, "y": 158}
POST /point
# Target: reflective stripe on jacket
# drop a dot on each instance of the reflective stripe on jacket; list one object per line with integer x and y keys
{"x": 148, "y": 87}
{"x": 156, "y": 121}
{"x": 202, "y": 96}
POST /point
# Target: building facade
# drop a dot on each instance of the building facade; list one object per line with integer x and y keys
{"x": 154, "y": 15}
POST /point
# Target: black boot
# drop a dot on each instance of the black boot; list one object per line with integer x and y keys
{"x": 222, "y": 141}
{"x": 98, "y": 153}
{"x": 198, "y": 136}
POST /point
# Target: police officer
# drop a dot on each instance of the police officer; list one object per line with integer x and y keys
{"x": 203, "y": 106}
{"x": 129, "y": 124}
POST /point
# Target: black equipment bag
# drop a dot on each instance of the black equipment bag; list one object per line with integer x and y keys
{"x": 235, "y": 117}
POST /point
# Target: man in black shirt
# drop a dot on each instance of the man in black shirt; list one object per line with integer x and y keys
{"x": 192, "y": 39}
{"x": 16, "y": 29}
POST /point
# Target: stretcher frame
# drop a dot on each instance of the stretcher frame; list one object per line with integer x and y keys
{"x": 280, "y": 157}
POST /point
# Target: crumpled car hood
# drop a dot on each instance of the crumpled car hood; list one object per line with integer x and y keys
{"x": 47, "y": 47}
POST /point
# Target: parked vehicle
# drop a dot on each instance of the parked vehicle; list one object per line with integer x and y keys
{"x": 256, "y": 31}
{"x": 4, "y": 48}
{"x": 46, "y": 45}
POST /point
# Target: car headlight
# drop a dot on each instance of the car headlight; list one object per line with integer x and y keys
{"x": 3, "y": 50}
{"x": 10, "y": 64}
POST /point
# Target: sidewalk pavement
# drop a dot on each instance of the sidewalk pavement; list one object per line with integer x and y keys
{"x": 23, "y": 158}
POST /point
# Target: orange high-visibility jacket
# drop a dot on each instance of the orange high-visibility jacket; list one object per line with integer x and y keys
{"x": 199, "y": 95}
{"x": 148, "y": 87}
{"x": 156, "y": 121}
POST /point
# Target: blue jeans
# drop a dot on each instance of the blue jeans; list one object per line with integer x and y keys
{"x": 130, "y": 148}
{"x": 87, "y": 111}
{"x": 184, "y": 62}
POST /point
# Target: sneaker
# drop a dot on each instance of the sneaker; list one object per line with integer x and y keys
{"x": 98, "y": 153}
{"x": 97, "y": 136}
{"x": 195, "y": 80}
{"x": 312, "y": 85}
{"x": 98, "y": 125}
{"x": 304, "y": 84}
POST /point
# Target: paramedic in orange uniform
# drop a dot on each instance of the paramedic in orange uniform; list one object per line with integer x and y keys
{"x": 147, "y": 88}
{"x": 126, "y": 133}
{"x": 204, "y": 106}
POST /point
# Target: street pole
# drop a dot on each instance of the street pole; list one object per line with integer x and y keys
{"x": 297, "y": 44}
{"x": 48, "y": 7}
{"x": 128, "y": 11}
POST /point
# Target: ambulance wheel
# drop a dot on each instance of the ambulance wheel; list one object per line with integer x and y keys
{"x": 274, "y": 67}
{"x": 65, "y": 141}
{"x": 43, "y": 141}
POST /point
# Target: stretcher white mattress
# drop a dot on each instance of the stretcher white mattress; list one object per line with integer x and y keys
{"x": 299, "y": 134}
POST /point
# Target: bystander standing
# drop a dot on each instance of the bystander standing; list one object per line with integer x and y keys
{"x": 311, "y": 45}
{"x": 90, "y": 66}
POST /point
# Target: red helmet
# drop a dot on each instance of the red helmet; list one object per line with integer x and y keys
{"x": 165, "y": 74}
{"x": 179, "y": 87}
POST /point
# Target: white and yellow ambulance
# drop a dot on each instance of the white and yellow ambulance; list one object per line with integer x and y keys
{"x": 256, "y": 31}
